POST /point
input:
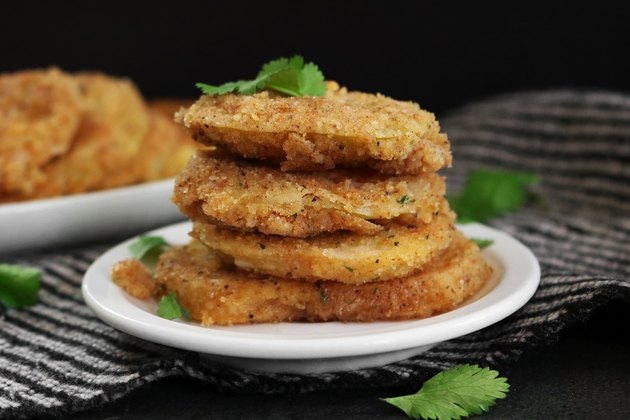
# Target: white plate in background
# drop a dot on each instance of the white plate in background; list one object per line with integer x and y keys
{"x": 317, "y": 347}
{"x": 87, "y": 217}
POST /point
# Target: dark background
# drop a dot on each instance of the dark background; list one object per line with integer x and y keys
{"x": 439, "y": 53}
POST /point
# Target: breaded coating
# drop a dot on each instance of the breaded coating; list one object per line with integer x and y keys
{"x": 163, "y": 153}
{"x": 396, "y": 251}
{"x": 113, "y": 126}
{"x": 166, "y": 149}
{"x": 66, "y": 133}
{"x": 167, "y": 161}
{"x": 40, "y": 111}
{"x": 134, "y": 278}
{"x": 346, "y": 129}
{"x": 222, "y": 296}
{"x": 244, "y": 195}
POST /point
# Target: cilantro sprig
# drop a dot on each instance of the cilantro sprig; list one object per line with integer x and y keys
{"x": 170, "y": 308}
{"x": 489, "y": 194}
{"x": 460, "y": 391}
{"x": 147, "y": 247}
{"x": 19, "y": 285}
{"x": 289, "y": 76}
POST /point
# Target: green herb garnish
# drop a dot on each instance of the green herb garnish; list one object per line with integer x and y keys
{"x": 147, "y": 246}
{"x": 350, "y": 269}
{"x": 290, "y": 76}
{"x": 482, "y": 243}
{"x": 19, "y": 285}
{"x": 457, "y": 392}
{"x": 489, "y": 194}
{"x": 323, "y": 297}
{"x": 405, "y": 199}
{"x": 170, "y": 308}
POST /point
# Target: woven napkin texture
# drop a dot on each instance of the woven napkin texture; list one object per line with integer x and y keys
{"x": 57, "y": 357}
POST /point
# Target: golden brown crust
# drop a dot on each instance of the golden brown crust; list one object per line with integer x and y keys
{"x": 113, "y": 122}
{"x": 247, "y": 196}
{"x": 134, "y": 278}
{"x": 347, "y": 129}
{"x": 347, "y": 257}
{"x": 167, "y": 147}
{"x": 40, "y": 111}
{"x": 70, "y": 133}
{"x": 111, "y": 131}
{"x": 163, "y": 153}
{"x": 220, "y": 296}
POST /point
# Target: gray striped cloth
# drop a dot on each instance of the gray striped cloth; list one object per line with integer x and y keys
{"x": 57, "y": 357}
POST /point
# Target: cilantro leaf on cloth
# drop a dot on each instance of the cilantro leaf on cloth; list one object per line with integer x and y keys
{"x": 489, "y": 194}
{"x": 19, "y": 285}
{"x": 170, "y": 308}
{"x": 457, "y": 392}
{"x": 290, "y": 76}
{"x": 146, "y": 246}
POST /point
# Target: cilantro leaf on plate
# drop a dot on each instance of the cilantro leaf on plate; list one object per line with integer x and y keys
{"x": 290, "y": 76}
{"x": 170, "y": 308}
{"x": 482, "y": 243}
{"x": 147, "y": 246}
{"x": 457, "y": 392}
{"x": 489, "y": 194}
{"x": 19, "y": 285}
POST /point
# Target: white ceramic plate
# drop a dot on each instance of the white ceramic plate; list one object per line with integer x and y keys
{"x": 317, "y": 347}
{"x": 86, "y": 217}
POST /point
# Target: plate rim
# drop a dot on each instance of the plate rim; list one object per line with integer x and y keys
{"x": 496, "y": 305}
{"x": 87, "y": 217}
{"x": 45, "y": 203}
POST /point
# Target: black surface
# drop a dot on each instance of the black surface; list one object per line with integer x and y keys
{"x": 585, "y": 375}
{"x": 440, "y": 53}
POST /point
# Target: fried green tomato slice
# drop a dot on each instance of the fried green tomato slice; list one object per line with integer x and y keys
{"x": 114, "y": 123}
{"x": 345, "y": 129}
{"x": 164, "y": 152}
{"x": 217, "y": 295}
{"x": 398, "y": 250}
{"x": 40, "y": 112}
{"x": 248, "y": 196}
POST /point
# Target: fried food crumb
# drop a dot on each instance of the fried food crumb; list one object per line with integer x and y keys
{"x": 341, "y": 129}
{"x": 134, "y": 278}
{"x": 222, "y": 295}
{"x": 69, "y": 133}
{"x": 346, "y": 257}
{"x": 40, "y": 112}
{"x": 247, "y": 196}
